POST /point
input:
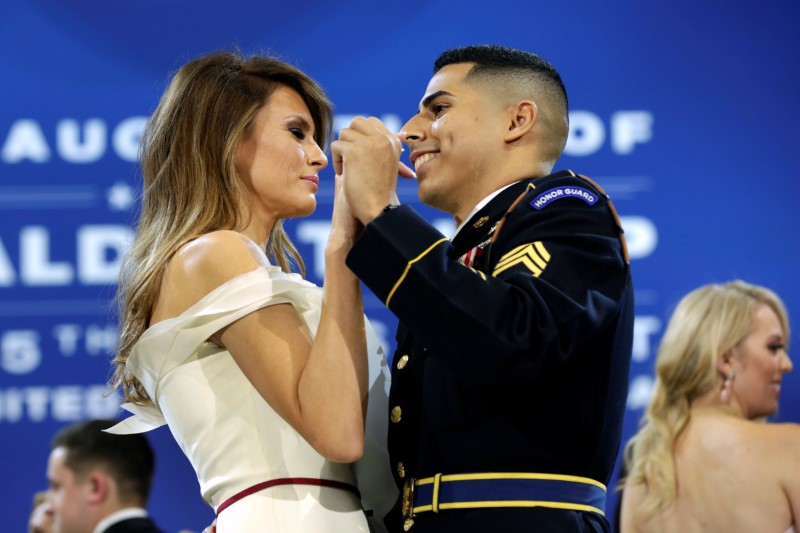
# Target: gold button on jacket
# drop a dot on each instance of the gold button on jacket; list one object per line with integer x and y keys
{"x": 396, "y": 414}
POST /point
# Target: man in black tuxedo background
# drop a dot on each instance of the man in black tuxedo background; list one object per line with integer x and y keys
{"x": 99, "y": 482}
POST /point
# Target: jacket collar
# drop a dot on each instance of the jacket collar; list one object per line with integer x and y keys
{"x": 479, "y": 226}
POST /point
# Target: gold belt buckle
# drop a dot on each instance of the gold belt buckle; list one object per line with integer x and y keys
{"x": 408, "y": 504}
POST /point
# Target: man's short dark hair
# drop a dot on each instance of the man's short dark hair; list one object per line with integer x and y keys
{"x": 511, "y": 75}
{"x": 128, "y": 459}
{"x": 492, "y": 59}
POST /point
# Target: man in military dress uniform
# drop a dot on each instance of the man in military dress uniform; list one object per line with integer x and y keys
{"x": 510, "y": 376}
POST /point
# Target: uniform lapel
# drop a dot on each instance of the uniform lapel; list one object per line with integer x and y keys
{"x": 479, "y": 228}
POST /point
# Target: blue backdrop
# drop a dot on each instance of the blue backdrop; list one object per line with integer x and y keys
{"x": 687, "y": 113}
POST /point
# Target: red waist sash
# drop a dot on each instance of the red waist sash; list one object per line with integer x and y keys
{"x": 330, "y": 483}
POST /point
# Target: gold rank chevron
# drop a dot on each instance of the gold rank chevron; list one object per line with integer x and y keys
{"x": 533, "y": 256}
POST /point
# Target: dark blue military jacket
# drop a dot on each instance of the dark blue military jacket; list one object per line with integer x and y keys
{"x": 514, "y": 343}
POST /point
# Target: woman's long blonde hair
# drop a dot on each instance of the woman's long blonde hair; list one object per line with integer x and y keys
{"x": 708, "y": 322}
{"x": 191, "y": 186}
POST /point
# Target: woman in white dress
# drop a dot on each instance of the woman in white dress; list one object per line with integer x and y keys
{"x": 704, "y": 460}
{"x": 262, "y": 377}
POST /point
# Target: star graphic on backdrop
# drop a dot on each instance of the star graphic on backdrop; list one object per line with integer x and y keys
{"x": 120, "y": 196}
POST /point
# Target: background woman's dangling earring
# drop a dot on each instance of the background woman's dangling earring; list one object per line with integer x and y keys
{"x": 725, "y": 395}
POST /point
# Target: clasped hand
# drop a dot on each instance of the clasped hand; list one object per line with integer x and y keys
{"x": 367, "y": 157}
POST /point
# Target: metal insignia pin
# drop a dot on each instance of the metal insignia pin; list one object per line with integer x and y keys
{"x": 480, "y": 222}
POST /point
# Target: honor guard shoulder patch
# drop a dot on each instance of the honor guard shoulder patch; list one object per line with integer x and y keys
{"x": 533, "y": 256}
{"x": 560, "y": 193}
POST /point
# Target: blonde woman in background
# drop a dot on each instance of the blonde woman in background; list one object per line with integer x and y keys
{"x": 704, "y": 460}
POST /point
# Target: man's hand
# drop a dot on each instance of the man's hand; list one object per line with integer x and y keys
{"x": 367, "y": 156}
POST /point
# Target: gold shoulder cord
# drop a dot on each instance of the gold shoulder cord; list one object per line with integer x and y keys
{"x": 622, "y": 240}
{"x": 513, "y": 205}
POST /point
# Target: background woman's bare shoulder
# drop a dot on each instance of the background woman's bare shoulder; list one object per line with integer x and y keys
{"x": 782, "y": 459}
{"x": 773, "y": 433}
{"x": 778, "y": 447}
{"x": 783, "y": 436}
{"x": 200, "y": 266}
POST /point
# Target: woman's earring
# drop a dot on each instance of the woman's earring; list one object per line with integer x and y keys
{"x": 725, "y": 395}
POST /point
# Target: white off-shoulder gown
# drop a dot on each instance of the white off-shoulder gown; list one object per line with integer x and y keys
{"x": 231, "y": 435}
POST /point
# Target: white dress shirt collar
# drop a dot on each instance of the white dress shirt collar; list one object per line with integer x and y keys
{"x": 480, "y": 206}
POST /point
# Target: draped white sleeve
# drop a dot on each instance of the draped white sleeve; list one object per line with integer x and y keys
{"x": 182, "y": 341}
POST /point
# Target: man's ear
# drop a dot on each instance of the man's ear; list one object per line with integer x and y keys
{"x": 521, "y": 118}
{"x": 98, "y": 487}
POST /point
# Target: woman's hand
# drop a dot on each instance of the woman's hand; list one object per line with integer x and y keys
{"x": 345, "y": 228}
{"x": 367, "y": 154}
